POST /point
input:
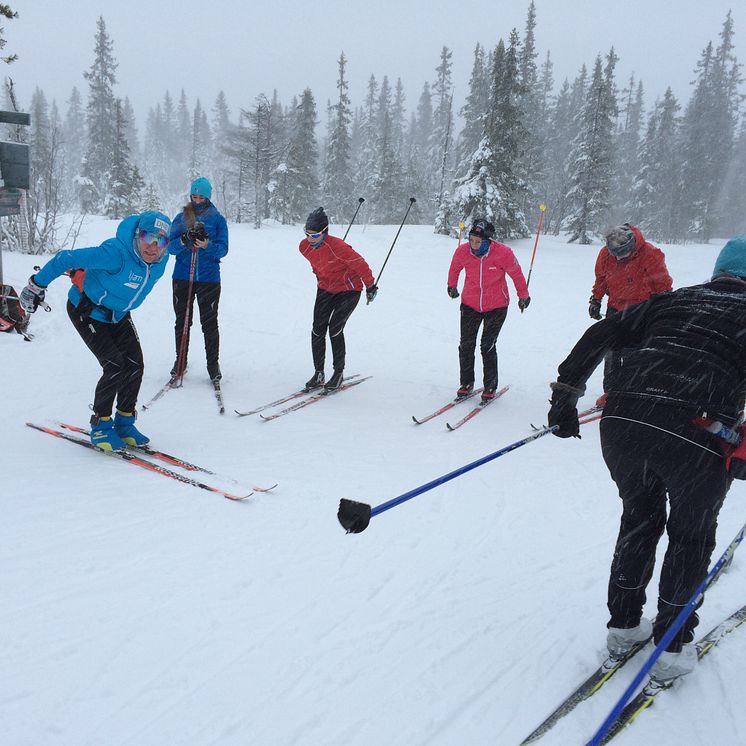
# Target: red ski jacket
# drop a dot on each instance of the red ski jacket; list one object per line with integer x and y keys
{"x": 633, "y": 279}
{"x": 484, "y": 285}
{"x": 337, "y": 266}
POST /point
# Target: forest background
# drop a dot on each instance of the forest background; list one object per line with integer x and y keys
{"x": 593, "y": 149}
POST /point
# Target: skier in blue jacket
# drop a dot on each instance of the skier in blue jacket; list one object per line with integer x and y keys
{"x": 199, "y": 239}
{"x": 109, "y": 281}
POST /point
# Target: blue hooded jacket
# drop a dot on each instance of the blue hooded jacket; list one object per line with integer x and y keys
{"x": 116, "y": 278}
{"x": 208, "y": 259}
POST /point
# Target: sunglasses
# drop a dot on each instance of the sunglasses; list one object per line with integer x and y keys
{"x": 314, "y": 235}
{"x": 149, "y": 237}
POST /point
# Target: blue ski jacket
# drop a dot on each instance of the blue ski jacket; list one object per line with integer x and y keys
{"x": 116, "y": 279}
{"x": 208, "y": 259}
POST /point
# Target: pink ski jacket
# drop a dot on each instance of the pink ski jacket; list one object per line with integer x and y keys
{"x": 484, "y": 287}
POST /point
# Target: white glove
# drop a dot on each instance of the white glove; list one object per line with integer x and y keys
{"x": 31, "y": 296}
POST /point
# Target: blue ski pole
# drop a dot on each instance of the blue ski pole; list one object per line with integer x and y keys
{"x": 355, "y": 516}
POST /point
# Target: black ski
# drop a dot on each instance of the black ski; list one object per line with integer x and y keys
{"x": 587, "y": 689}
{"x": 132, "y": 458}
{"x": 170, "y": 384}
{"x": 219, "y": 396}
{"x": 313, "y": 399}
{"x": 653, "y": 688}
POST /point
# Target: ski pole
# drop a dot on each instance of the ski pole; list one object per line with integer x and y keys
{"x": 41, "y": 303}
{"x": 181, "y": 356}
{"x": 360, "y": 201}
{"x": 684, "y": 614}
{"x": 412, "y": 200}
{"x": 355, "y": 516}
{"x": 536, "y": 243}
{"x": 460, "y": 231}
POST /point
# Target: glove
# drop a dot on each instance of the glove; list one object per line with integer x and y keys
{"x": 523, "y": 303}
{"x": 563, "y": 413}
{"x": 594, "y": 308}
{"x": 31, "y": 296}
{"x": 453, "y": 292}
{"x": 371, "y": 292}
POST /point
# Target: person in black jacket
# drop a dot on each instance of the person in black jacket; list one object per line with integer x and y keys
{"x": 684, "y": 359}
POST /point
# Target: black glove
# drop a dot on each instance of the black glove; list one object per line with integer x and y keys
{"x": 453, "y": 292}
{"x": 31, "y": 296}
{"x": 563, "y": 413}
{"x": 594, "y": 308}
{"x": 523, "y": 303}
{"x": 370, "y": 293}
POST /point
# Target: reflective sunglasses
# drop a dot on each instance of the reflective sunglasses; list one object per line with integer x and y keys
{"x": 314, "y": 235}
{"x": 149, "y": 237}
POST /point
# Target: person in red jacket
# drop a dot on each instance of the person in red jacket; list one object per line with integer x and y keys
{"x": 342, "y": 274}
{"x": 629, "y": 270}
{"x": 484, "y": 299}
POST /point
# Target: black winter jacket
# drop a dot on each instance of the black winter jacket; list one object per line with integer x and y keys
{"x": 686, "y": 349}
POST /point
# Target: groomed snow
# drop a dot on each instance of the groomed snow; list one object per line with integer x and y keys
{"x": 140, "y": 611}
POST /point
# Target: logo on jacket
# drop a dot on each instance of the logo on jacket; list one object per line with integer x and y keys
{"x": 134, "y": 280}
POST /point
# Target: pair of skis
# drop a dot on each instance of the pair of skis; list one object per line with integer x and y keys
{"x": 136, "y": 455}
{"x": 646, "y": 696}
{"x": 175, "y": 382}
{"x": 314, "y": 396}
{"x": 468, "y": 416}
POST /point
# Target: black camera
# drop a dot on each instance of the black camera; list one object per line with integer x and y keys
{"x": 198, "y": 233}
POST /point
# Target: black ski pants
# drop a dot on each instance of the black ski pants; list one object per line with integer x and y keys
{"x": 117, "y": 349}
{"x": 330, "y": 314}
{"x": 208, "y": 299}
{"x": 646, "y": 463}
{"x": 471, "y": 320}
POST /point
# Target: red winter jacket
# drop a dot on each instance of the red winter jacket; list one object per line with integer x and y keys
{"x": 633, "y": 279}
{"x": 337, "y": 266}
{"x": 484, "y": 286}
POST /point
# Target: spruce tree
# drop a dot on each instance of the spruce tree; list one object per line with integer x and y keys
{"x": 126, "y": 184}
{"x": 100, "y": 119}
{"x": 302, "y": 160}
{"x": 592, "y": 157}
{"x": 74, "y": 142}
{"x": 338, "y": 182}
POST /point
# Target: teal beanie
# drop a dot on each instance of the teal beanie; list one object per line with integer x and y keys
{"x": 732, "y": 259}
{"x": 202, "y": 187}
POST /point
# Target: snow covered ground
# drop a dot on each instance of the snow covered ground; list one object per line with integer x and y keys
{"x": 137, "y": 610}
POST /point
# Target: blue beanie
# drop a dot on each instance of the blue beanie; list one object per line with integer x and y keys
{"x": 153, "y": 221}
{"x": 202, "y": 187}
{"x": 732, "y": 259}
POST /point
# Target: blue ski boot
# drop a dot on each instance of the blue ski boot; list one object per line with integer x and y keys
{"x": 124, "y": 424}
{"x": 104, "y": 436}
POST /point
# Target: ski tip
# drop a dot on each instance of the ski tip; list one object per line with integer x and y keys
{"x": 353, "y": 516}
{"x": 415, "y": 420}
{"x": 450, "y": 427}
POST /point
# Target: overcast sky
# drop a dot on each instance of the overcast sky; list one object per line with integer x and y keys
{"x": 245, "y": 48}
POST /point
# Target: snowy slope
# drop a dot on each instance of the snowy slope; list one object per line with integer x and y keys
{"x": 136, "y": 610}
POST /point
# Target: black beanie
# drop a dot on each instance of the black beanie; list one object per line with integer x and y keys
{"x": 317, "y": 221}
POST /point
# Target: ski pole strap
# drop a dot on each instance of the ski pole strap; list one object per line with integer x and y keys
{"x": 684, "y": 614}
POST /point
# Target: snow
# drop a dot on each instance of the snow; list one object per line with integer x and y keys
{"x": 137, "y": 610}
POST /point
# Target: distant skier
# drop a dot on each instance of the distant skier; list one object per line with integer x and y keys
{"x": 116, "y": 278}
{"x": 484, "y": 300}
{"x": 629, "y": 270}
{"x": 342, "y": 274}
{"x": 200, "y": 233}
{"x": 684, "y": 358}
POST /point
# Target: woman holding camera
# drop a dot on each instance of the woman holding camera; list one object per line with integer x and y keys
{"x": 199, "y": 240}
